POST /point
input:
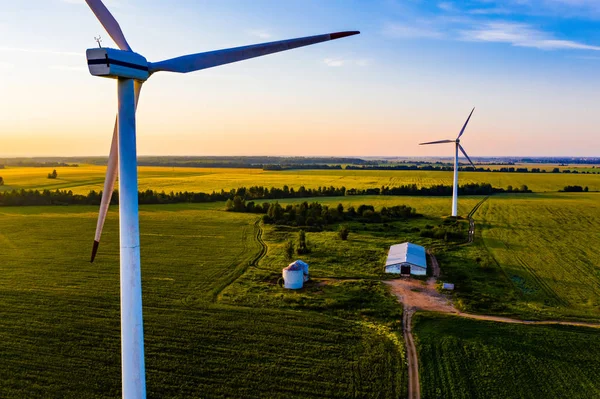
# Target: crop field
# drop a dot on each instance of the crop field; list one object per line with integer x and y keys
{"x": 461, "y": 358}
{"x": 59, "y": 317}
{"x": 547, "y": 246}
{"x": 84, "y": 178}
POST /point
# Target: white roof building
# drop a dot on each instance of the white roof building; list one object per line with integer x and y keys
{"x": 406, "y": 258}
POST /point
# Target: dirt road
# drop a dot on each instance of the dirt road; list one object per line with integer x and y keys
{"x": 414, "y": 387}
{"x": 422, "y": 295}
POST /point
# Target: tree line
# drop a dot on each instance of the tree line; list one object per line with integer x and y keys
{"x": 318, "y": 215}
{"x": 67, "y": 197}
{"x": 450, "y": 168}
{"x": 575, "y": 189}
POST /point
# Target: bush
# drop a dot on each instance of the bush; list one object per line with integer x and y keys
{"x": 343, "y": 233}
{"x": 302, "y": 246}
{"x": 289, "y": 250}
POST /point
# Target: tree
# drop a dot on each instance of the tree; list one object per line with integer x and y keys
{"x": 1, "y": 181}
{"x": 301, "y": 246}
{"x": 53, "y": 175}
{"x": 289, "y": 250}
{"x": 239, "y": 204}
{"x": 343, "y": 233}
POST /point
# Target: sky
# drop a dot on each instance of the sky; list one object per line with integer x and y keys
{"x": 531, "y": 69}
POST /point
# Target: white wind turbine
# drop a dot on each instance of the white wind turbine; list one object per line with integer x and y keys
{"x": 131, "y": 70}
{"x": 457, "y": 147}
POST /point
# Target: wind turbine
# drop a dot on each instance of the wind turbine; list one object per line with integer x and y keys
{"x": 131, "y": 70}
{"x": 457, "y": 147}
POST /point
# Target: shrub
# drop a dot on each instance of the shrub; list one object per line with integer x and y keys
{"x": 343, "y": 233}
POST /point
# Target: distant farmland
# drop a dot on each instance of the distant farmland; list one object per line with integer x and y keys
{"x": 82, "y": 179}
{"x": 461, "y": 358}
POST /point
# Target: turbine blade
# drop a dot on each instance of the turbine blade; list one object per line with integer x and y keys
{"x": 465, "y": 154}
{"x": 466, "y": 123}
{"x": 438, "y": 142}
{"x": 196, "y": 62}
{"x": 111, "y": 177}
{"x": 110, "y": 23}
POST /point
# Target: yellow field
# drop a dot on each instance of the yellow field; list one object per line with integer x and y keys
{"x": 84, "y": 178}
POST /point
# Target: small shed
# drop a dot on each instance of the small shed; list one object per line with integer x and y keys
{"x": 406, "y": 258}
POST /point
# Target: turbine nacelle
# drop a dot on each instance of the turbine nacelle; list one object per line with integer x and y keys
{"x": 113, "y": 63}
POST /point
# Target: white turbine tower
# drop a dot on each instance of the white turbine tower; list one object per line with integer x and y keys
{"x": 131, "y": 70}
{"x": 457, "y": 147}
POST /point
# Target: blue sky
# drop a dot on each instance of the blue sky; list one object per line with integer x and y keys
{"x": 530, "y": 68}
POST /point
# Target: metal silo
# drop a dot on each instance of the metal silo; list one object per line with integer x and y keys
{"x": 293, "y": 276}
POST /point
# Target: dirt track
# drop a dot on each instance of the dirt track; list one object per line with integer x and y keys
{"x": 414, "y": 387}
{"x": 422, "y": 295}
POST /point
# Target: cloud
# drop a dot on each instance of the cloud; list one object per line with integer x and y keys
{"x": 334, "y": 62}
{"x": 446, "y": 6}
{"x": 42, "y": 51}
{"x": 68, "y": 68}
{"x": 421, "y": 30}
{"x": 260, "y": 33}
{"x": 108, "y": 3}
{"x": 338, "y": 62}
{"x": 521, "y": 35}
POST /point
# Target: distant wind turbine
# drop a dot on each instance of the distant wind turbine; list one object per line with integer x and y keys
{"x": 131, "y": 70}
{"x": 457, "y": 147}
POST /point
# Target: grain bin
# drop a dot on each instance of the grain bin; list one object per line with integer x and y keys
{"x": 293, "y": 276}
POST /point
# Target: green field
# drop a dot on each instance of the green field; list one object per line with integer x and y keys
{"x": 218, "y": 325}
{"x": 84, "y": 178}
{"x": 461, "y": 358}
{"x": 546, "y": 245}
{"x": 60, "y": 322}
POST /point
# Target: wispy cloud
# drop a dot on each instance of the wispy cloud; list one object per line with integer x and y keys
{"x": 334, "y": 62}
{"x": 108, "y": 3}
{"x": 67, "y": 68}
{"x": 338, "y": 62}
{"x": 588, "y": 9}
{"x": 446, "y": 6}
{"x": 419, "y": 30}
{"x": 521, "y": 35}
{"x": 41, "y": 51}
{"x": 260, "y": 33}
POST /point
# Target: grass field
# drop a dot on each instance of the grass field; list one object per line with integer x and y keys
{"x": 59, "y": 317}
{"x": 84, "y": 178}
{"x": 547, "y": 246}
{"x": 461, "y": 358}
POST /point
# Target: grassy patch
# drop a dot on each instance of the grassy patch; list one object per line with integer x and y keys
{"x": 461, "y": 358}
{"x": 545, "y": 246}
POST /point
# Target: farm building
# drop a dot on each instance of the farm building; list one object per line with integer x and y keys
{"x": 406, "y": 258}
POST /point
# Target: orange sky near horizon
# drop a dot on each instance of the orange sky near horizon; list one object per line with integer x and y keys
{"x": 374, "y": 94}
